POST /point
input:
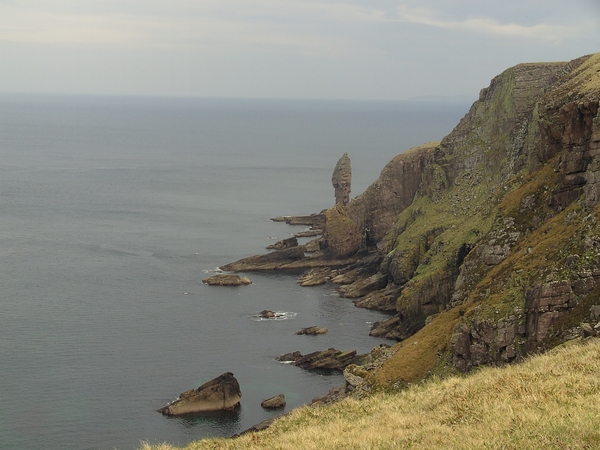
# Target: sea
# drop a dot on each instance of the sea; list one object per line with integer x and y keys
{"x": 112, "y": 211}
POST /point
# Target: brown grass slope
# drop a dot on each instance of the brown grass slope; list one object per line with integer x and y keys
{"x": 550, "y": 401}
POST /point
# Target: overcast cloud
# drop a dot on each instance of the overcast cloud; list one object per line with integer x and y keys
{"x": 358, "y": 49}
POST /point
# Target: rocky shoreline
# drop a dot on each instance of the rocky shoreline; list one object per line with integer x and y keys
{"x": 483, "y": 247}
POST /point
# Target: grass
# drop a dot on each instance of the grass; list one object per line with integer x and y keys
{"x": 550, "y": 401}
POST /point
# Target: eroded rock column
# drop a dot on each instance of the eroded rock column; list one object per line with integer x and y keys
{"x": 341, "y": 180}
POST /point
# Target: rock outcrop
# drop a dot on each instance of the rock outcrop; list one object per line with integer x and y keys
{"x": 219, "y": 394}
{"x": 271, "y": 261}
{"x": 312, "y": 331}
{"x": 327, "y": 359}
{"x": 227, "y": 280}
{"x": 284, "y": 243}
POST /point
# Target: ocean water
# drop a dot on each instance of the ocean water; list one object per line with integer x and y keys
{"x": 114, "y": 209}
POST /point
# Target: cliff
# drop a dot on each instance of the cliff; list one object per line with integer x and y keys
{"x": 486, "y": 244}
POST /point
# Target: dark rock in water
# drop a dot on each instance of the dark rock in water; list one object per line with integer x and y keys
{"x": 266, "y": 314}
{"x": 289, "y": 357}
{"x": 312, "y": 331}
{"x": 227, "y": 280}
{"x": 285, "y": 243}
{"x": 327, "y": 359}
{"x": 219, "y": 394}
{"x": 274, "y": 402}
{"x": 342, "y": 179}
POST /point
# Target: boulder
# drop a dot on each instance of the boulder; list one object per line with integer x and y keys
{"x": 274, "y": 402}
{"x": 312, "y": 331}
{"x": 227, "y": 280}
{"x": 587, "y": 330}
{"x": 219, "y": 394}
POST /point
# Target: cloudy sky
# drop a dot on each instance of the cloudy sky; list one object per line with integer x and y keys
{"x": 343, "y": 49}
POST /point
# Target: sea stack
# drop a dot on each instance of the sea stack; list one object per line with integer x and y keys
{"x": 341, "y": 180}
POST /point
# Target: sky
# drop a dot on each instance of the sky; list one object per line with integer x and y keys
{"x": 290, "y": 49}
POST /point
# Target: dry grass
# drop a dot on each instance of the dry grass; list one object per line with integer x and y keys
{"x": 550, "y": 401}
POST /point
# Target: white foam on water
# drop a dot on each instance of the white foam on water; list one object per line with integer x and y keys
{"x": 279, "y": 315}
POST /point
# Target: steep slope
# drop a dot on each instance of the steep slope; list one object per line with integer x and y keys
{"x": 491, "y": 238}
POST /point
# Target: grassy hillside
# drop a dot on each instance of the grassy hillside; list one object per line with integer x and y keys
{"x": 551, "y": 401}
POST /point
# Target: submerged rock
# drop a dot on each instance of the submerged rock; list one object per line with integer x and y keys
{"x": 219, "y": 394}
{"x": 227, "y": 280}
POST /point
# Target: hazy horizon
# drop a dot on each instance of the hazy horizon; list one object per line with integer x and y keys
{"x": 276, "y": 49}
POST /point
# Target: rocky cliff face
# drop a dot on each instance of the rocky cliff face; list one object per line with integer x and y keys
{"x": 489, "y": 241}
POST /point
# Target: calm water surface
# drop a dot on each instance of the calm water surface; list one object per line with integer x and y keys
{"x": 114, "y": 209}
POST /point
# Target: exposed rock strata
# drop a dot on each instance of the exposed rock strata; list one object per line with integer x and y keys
{"x": 328, "y": 359}
{"x": 290, "y": 259}
{"x": 315, "y": 221}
